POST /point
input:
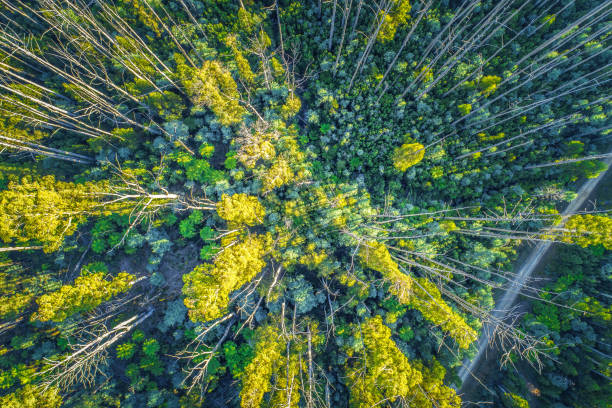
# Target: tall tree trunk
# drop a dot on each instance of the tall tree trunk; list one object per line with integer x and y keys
{"x": 347, "y": 12}
{"x": 331, "y": 29}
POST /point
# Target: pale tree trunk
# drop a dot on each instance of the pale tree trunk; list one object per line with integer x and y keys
{"x": 347, "y": 12}
{"x": 331, "y": 28}
{"x": 21, "y": 248}
{"x": 83, "y": 365}
{"x": 356, "y": 20}
{"x": 422, "y": 13}
{"x": 385, "y": 9}
{"x": 594, "y": 157}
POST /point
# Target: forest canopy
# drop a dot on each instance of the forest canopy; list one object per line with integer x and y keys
{"x": 301, "y": 203}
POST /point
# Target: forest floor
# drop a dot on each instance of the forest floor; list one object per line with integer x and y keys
{"x": 175, "y": 264}
{"x": 529, "y": 264}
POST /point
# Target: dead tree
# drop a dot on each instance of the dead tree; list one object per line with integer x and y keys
{"x": 84, "y": 363}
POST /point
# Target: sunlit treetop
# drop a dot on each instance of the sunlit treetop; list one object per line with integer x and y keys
{"x": 408, "y": 155}
{"x": 241, "y": 209}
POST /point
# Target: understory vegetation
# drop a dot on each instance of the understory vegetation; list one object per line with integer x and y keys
{"x": 300, "y": 203}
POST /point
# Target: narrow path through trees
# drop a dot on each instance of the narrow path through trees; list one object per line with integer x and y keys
{"x": 523, "y": 273}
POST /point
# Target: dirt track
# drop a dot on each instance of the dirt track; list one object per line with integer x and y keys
{"x": 523, "y": 273}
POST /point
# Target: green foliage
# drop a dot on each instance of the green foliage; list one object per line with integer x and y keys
{"x": 207, "y": 233}
{"x": 200, "y": 171}
{"x": 359, "y": 198}
{"x": 464, "y": 108}
{"x": 187, "y": 227}
{"x": 138, "y": 336}
{"x": 207, "y": 150}
{"x": 150, "y": 360}
{"x": 108, "y": 232}
{"x": 208, "y": 251}
{"x": 406, "y": 333}
{"x": 237, "y": 358}
{"x": 125, "y": 351}
{"x": 150, "y": 347}
{"x": 231, "y": 161}
{"x": 573, "y": 379}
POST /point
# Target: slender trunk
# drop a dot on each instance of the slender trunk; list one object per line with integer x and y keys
{"x": 370, "y": 43}
{"x": 356, "y": 20}
{"x": 506, "y": 44}
{"x": 597, "y": 156}
{"x": 347, "y": 12}
{"x": 422, "y": 13}
{"x": 331, "y": 29}
{"x": 455, "y": 21}
{"x": 474, "y": 42}
{"x": 22, "y": 248}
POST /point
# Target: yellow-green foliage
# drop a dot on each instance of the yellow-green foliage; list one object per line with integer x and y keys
{"x": 86, "y": 293}
{"x": 376, "y": 256}
{"x": 43, "y": 210}
{"x": 241, "y": 209}
{"x": 289, "y": 372}
{"x": 382, "y": 371}
{"x": 255, "y": 146}
{"x": 11, "y": 306}
{"x": 433, "y": 388}
{"x": 427, "y": 300}
{"x": 408, "y": 155}
{"x": 437, "y": 172}
{"x": 397, "y": 17}
{"x": 213, "y": 86}
{"x": 274, "y": 155}
{"x": 464, "y": 108}
{"x": 448, "y": 226}
{"x": 291, "y": 107}
{"x": 278, "y": 366}
{"x": 256, "y": 380}
{"x": 514, "y": 401}
{"x": 425, "y": 73}
{"x": 144, "y": 14}
{"x": 207, "y": 288}
{"x": 418, "y": 293}
{"x": 32, "y": 397}
{"x": 10, "y": 126}
{"x": 586, "y": 230}
{"x": 549, "y": 19}
{"x": 278, "y": 174}
{"x": 488, "y": 84}
{"x": 248, "y": 21}
{"x": 277, "y": 68}
{"x": 484, "y": 138}
{"x": 244, "y": 68}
